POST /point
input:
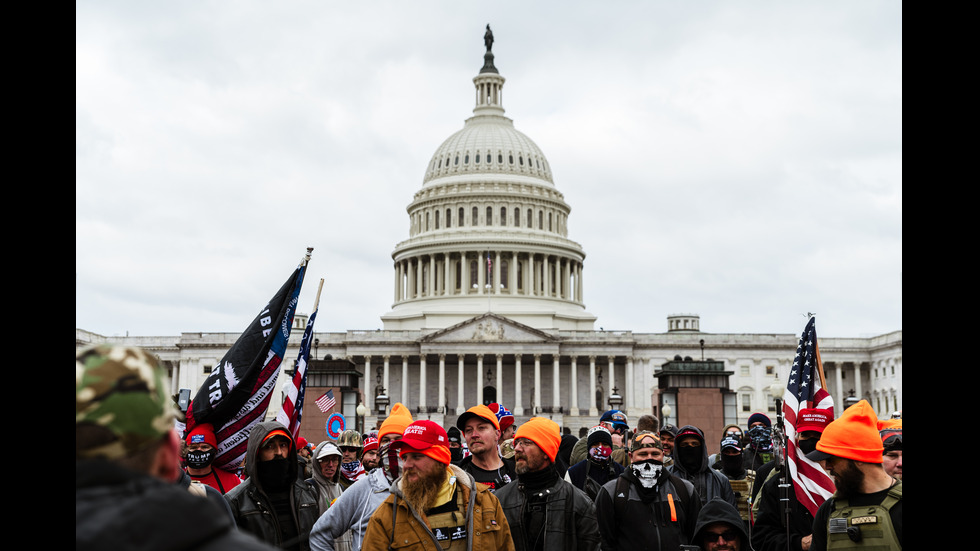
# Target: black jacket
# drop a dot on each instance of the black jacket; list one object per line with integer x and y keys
{"x": 570, "y": 516}
{"x": 627, "y": 523}
{"x": 708, "y": 482}
{"x": 253, "y": 508}
{"x": 590, "y": 477}
{"x": 119, "y": 510}
{"x": 769, "y": 530}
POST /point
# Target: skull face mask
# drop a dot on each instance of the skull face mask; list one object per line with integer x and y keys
{"x": 648, "y": 472}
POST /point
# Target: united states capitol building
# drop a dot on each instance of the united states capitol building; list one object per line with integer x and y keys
{"x": 487, "y": 306}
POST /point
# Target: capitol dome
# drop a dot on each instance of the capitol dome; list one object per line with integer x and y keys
{"x": 488, "y": 231}
{"x": 488, "y": 144}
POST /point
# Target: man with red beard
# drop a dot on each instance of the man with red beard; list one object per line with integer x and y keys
{"x": 352, "y": 511}
{"x": 866, "y": 509}
{"x": 432, "y": 505}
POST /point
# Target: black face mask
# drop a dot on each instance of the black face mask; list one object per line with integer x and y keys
{"x": 455, "y": 455}
{"x": 731, "y": 463}
{"x": 274, "y": 474}
{"x": 807, "y": 445}
{"x": 689, "y": 456}
{"x": 200, "y": 459}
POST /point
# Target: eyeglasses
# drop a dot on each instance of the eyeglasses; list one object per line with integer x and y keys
{"x": 349, "y": 449}
{"x": 522, "y": 443}
{"x": 727, "y": 535}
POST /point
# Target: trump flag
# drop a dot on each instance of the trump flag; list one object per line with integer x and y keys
{"x": 236, "y": 394}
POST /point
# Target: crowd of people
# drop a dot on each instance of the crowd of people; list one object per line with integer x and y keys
{"x": 483, "y": 483}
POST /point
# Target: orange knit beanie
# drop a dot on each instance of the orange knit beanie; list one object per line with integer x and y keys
{"x": 542, "y": 431}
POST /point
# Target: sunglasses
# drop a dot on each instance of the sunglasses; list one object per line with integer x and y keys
{"x": 727, "y": 535}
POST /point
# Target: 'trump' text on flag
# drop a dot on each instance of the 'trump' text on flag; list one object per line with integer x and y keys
{"x": 237, "y": 393}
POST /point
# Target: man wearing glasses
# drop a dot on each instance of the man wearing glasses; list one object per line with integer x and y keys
{"x": 544, "y": 510}
{"x": 720, "y": 528}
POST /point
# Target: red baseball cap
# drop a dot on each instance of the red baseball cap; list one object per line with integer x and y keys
{"x": 425, "y": 437}
{"x": 814, "y": 419}
{"x": 370, "y": 443}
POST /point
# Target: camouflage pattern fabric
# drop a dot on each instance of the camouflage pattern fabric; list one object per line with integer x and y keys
{"x": 121, "y": 393}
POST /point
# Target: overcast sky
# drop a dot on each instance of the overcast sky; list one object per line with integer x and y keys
{"x": 737, "y": 160}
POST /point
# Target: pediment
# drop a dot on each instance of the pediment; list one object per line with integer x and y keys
{"x": 489, "y": 327}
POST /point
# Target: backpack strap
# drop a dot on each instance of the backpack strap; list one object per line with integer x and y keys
{"x": 620, "y": 496}
{"x": 682, "y": 492}
{"x": 394, "y": 517}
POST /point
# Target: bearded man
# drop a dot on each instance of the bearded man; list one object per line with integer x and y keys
{"x": 545, "y": 511}
{"x": 433, "y": 504}
{"x": 351, "y": 512}
{"x": 866, "y": 508}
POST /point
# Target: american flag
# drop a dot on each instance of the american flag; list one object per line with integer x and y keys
{"x": 326, "y": 402}
{"x": 489, "y": 266}
{"x": 810, "y": 482}
{"x": 291, "y": 414}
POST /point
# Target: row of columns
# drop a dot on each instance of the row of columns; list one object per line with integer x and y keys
{"x": 449, "y": 274}
{"x": 477, "y": 379}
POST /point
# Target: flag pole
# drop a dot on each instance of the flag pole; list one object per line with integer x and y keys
{"x": 816, "y": 351}
{"x": 316, "y": 303}
{"x": 306, "y": 258}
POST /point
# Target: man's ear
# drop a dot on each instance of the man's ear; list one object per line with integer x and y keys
{"x": 166, "y": 464}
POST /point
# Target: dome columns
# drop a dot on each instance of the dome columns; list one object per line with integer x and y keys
{"x": 468, "y": 272}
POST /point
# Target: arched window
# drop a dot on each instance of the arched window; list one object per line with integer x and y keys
{"x": 500, "y": 158}
{"x": 476, "y": 216}
{"x": 488, "y": 158}
{"x": 449, "y": 218}
{"x": 437, "y": 220}
{"x": 489, "y": 216}
{"x": 503, "y": 216}
{"x": 549, "y": 221}
{"x": 540, "y": 219}
{"x": 476, "y": 158}
{"x": 517, "y": 216}
{"x": 530, "y": 220}
{"x": 466, "y": 159}
{"x": 457, "y": 160}
{"x": 426, "y": 221}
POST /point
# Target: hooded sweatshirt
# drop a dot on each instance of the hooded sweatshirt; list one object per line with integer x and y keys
{"x": 718, "y": 510}
{"x": 351, "y": 511}
{"x": 330, "y": 490}
{"x": 282, "y": 518}
{"x": 708, "y": 482}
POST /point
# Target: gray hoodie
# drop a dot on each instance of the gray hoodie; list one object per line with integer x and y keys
{"x": 329, "y": 489}
{"x": 351, "y": 511}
